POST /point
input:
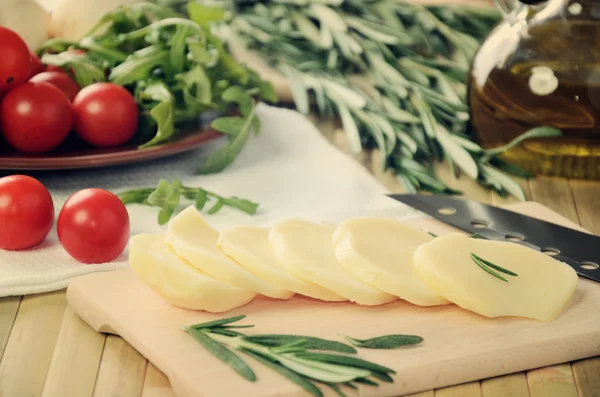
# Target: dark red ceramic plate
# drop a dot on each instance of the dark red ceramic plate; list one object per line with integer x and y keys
{"x": 74, "y": 154}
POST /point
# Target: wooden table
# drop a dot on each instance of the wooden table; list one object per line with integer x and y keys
{"x": 48, "y": 351}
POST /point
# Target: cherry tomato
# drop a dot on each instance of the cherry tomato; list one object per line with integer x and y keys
{"x": 106, "y": 115}
{"x": 54, "y": 68}
{"x": 36, "y": 66}
{"x": 26, "y": 212}
{"x": 36, "y": 117}
{"x": 60, "y": 80}
{"x": 15, "y": 59}
{"x": 93, "y": 226}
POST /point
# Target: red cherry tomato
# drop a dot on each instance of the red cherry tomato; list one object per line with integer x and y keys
{"x": 15, "y": 59}
{"x": 53, "y": 68}
{"x": 106, "y": 115}
{"x": 26, "y": 212}
{"x": 36, "y": 117}
{"x": 60, "y": 80}
{"x": 36, "y": 66}
{"x": 93, "y": 226}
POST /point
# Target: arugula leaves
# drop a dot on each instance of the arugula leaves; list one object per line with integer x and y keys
{"x": 167, "y": 197}
{"x": 176, "y": 69}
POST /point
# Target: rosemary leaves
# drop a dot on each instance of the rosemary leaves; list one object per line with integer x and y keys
{"x": 304, "y": 360}
{"x": 489, "y": 267}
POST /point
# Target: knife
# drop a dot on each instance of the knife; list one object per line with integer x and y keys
{"x": 577, "y": 249}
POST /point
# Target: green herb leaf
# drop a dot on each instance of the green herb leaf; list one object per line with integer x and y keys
{"x": 218, "y": 323}
{"x": 493, "y": 266}
{"x": 224, "y": 331}
{"x": 311, "y": 342}
{"x": 81, "y": 67}
{"x": 366, "y": 382}
{"x": 223, "y": 156}
{"x": 244, "y": 205}
{"x": 344, "y": 360}
{"x": 216, "y": 207}
{"x": 383, "y": 377}
{"x": 290, "y": 375}
{"x": 386, "y": 342}
{"x": 163, "y": 115}
{"x": 197, "y": 90}
{"x": 538, "y": 132}
{"x": 205, "y": 15}
{"x": 223, "y": 353}
{"x": 166, "y": 197}
{"x": 237, "y": 95}
{"x": 229, "y": 125}
{"x": 325, "y": 372}
{"x": 201, "y": 199}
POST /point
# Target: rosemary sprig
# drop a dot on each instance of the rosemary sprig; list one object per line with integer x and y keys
{"x": 386, "y": 342}
{"x": 167, "y": 197}
{"x": 294, "y": 356}
{"x": 488, "y": 266}
{"x": 394, "y": 72}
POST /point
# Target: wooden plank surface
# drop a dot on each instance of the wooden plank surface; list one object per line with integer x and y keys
{"x": 577, "y": 200}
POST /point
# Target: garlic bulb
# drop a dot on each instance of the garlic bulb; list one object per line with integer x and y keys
{"x": 27, "y": 18}
{"x": 72, "y": 19}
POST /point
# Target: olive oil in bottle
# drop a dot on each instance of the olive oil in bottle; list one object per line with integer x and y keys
{"x": 542, "y": 69}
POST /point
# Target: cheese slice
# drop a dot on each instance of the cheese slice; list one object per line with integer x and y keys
{"x": 194, "y": 240}
{"x": 179, "y": 283}
{"x": 250, "y": 247}
{"x": 379, "y": 251}
{"x": 541, "y": 290}
{"x": 306, "y": 250}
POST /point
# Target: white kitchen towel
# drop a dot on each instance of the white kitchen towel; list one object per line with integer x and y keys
{"x": 289, "y": 168}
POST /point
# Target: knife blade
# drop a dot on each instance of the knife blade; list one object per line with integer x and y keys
{"x": 577, "y": 249}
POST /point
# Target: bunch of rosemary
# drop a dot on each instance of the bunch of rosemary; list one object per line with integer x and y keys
{"x": 301, "y": 359}
{"x": 394, "y": 72}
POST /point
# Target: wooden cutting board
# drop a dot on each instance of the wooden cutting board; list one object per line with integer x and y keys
{"x": 459, "y": 346}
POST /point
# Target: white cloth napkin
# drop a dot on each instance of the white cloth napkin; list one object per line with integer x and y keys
{"x": 290, "y": 169}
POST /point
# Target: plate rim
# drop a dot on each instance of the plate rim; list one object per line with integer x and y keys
{"x": 119, "y": 156}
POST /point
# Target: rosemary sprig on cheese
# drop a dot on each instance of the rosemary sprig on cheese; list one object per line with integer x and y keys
{"x": 304, "y": 360}
{"x": 488, "y": 266}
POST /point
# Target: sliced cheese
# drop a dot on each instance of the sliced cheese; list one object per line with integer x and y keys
{"x": 250, "y": 247}
{"x": 194, "y": 240}
{"x": 542, "y": 289}
{"x": 380, "y": 252}
{"x": 179, "y": 283}
{"x": 306, "y": 249}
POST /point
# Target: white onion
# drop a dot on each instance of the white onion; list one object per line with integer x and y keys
{"x": 72, "y": 19}
{"x": 27, "y": 18}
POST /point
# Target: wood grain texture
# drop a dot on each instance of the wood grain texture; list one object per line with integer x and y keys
{"x": 514, "y": 385}
{"x": 587, "y": 377}
{"x": 31, "y": 344}
{"x": 554, "y": 193}
{"x": 8, "y": 311}
{"x": 556, "y": 381}
{"x": 156, "y": 384}
{"x": 75, "y": 361}
{"x": 122, "y": 370}
{"x": 460, "y": 346}
{"x": 472, "y": 389}
{"x": 586, "y": 196}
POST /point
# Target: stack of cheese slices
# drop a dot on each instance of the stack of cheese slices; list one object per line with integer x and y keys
{"x": 366, "y": 260}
